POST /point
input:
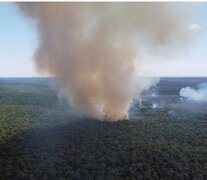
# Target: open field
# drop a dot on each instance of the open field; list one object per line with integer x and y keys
{"x": 40, "y": 138}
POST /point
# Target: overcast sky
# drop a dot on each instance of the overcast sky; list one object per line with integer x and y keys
{"x": 18, "y": 43}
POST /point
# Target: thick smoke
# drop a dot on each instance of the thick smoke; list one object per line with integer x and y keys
{"x": 198, "y": 94}
{"x": 92, "y": 48}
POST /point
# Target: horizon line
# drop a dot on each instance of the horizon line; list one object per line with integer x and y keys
{"x": 138, "y": 76}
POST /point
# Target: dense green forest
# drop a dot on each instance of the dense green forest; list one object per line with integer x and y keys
{"x": 41, "y": 138}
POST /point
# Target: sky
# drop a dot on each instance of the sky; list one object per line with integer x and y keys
{"x": 18, "y": 41}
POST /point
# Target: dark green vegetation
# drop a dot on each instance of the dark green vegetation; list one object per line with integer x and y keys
{"x": 39, "y": 139}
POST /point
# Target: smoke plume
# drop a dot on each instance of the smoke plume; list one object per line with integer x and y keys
{"x": 92, "y": 48}
{"x": 198, "y": 94}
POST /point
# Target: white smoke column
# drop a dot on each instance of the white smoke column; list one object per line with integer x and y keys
{"x": 198, "y": 94}
{"x": 154, "y": 105}
{"x": 140, "y": 102}
{"x": 92, "y": 47}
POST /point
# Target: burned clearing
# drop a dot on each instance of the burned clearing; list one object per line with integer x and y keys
{"x": 41, "y": 138}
